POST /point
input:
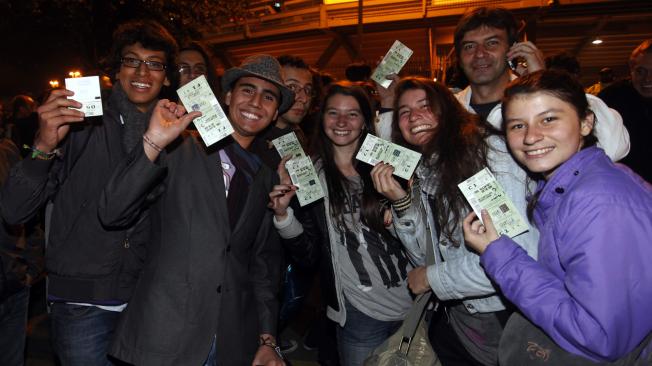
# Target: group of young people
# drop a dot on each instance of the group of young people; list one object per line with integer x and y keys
{"x": 163, "y": 251}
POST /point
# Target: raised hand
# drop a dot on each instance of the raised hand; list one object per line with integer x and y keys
{"x": 168, "y": 120}
{"x": 530, "y": 53}
{"x": 282, "y": 193}
{"x": 384, "y": 182}
{"x": 479, "y": 236}
{"x": 55, "y": 118}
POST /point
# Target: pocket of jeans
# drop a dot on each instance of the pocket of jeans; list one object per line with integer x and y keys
{"x": 71, "y": 310}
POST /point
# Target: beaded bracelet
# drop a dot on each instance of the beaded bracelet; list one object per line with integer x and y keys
{"x": 42, "y": 155}
{"x": 152, "y": 143}
{"x": 402, "y": 204}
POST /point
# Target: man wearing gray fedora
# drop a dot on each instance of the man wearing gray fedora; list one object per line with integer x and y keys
{"x": 208, "y": 291}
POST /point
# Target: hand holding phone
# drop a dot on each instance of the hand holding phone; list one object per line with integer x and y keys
{"x": 525, "y": 58}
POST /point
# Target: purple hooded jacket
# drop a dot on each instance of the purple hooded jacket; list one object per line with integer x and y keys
{"x": 591, "y": 288}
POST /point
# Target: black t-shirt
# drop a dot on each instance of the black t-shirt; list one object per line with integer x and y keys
{"x": 484, "y": 109}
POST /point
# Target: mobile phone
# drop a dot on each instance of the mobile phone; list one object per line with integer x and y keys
{"x": 515, "y": 62}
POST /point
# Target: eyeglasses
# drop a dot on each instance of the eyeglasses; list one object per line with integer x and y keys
{"x": 296, "y": 89}
{"x": 135, "y": 63}
{"x": 186, "y": 69}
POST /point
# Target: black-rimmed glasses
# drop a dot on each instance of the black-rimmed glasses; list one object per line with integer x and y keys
{"x": 135, "y": 63}
{"x": 296, "y": 89}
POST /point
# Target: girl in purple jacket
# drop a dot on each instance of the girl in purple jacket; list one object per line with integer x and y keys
{"x": 590, "y": 290}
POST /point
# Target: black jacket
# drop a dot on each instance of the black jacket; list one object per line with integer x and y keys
{"x": 86, "y": 261}
{"x": 21, "y": 246}
{"x": 202, "y": 278}
{"x": 313, "y": 245}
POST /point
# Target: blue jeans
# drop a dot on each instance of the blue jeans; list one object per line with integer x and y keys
{"x": 360, "y": 335}
{"x": 211, "y": 360}
{"x": 81, "y": 334}
{"x": 13, "y": 322}
{"x": 296, "y": 284}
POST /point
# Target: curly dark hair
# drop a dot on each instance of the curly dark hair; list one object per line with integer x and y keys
{"x": 151, "y": 35}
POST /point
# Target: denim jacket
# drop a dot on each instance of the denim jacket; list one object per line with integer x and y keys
{"x": 457, "y": 274}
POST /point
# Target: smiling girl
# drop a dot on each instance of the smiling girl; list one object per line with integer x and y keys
{"x": 363, "y": 268}
{"x": 590, "y": 290}
{"x": 455, "y": 145}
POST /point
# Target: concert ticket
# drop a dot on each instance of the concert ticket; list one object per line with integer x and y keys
{"x": 87, "y": 92}
{"x": 484, "y": 192}
{"x": 375, "y": 150}
{"x": 397, "y": 56}
{"x": 213, "y": 125}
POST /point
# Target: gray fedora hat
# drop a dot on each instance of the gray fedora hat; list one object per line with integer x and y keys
{"x": 264, "y": 67}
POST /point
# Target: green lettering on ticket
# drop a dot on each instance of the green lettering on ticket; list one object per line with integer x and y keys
{"x": 213, "y": 125}
{"x": 484, "y": 192}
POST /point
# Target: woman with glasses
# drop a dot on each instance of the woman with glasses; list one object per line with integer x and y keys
{"x": 364, "y": 269}
{"x": 455, "y": 145}
{"x": 192, "y": 62}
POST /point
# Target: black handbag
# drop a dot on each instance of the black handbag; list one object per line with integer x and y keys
{"x": 523, "y": 343}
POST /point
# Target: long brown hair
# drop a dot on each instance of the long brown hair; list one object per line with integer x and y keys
{"x": 457, "y": 151}
{"x": 371, "y": 209}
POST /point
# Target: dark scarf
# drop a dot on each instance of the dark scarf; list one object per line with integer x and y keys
{"x": 246, "y": 165}
{"x": 135, "y": 121}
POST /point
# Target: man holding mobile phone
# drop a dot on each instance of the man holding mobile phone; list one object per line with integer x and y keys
{"x": 485, "y": 43}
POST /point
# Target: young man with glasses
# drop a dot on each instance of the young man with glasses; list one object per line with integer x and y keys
{"x": 92, "y": 268}
{"x": 194, "y": 61}
{"x": 208, "y": 291}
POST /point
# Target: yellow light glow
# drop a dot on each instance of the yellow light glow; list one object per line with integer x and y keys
{"x": 54, "y": 84}
{"x": 448, "y": 2}
{"x": 75, "y": 74}
{"x": 331, "y": 2}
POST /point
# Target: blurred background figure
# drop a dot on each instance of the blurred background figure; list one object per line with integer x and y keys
{"x": 23, "y": 121}
{"x": 21, "y": 264}
{"x": 606, "y": 78}
{"x": 358, "y": 71}
{"x": 194, "y": 61}
{"x": 566, "y": 62}
{"x": 632, "y": 98}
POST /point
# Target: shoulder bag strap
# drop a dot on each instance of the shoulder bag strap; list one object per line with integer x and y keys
{"x": 411, "y": 322}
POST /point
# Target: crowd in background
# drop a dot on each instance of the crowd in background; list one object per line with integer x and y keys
{"x": 164, "y": 251}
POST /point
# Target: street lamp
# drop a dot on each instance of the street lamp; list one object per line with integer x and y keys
{"x": 75, "y": 74}
{"x": 54, "y": 84}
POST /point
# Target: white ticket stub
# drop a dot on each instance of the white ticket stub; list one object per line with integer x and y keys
{"x": 375, "y": 150}
{"x": 213, "y": 125}
{"x": 288, "y": 144}
{"x": 87, "y": 92}
{"x": 304, "y": 176}
{"x": 484, "y": 192}
{"x": 397, "y": 56}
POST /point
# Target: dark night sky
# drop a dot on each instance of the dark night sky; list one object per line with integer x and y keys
{"x": 37, "y": 49}
{"x": 34, "y": 53}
